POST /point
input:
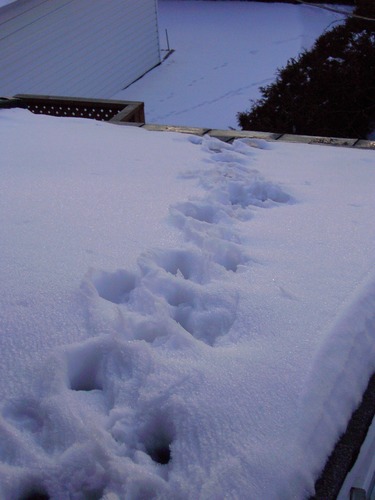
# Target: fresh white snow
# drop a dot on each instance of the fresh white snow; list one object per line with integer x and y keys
{"x": 224, "y": 51}
{"x": 6, "y": 2}
{"x": 172, "y": 298}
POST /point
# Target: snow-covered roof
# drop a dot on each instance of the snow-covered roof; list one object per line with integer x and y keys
{"x": 188, "y": 315}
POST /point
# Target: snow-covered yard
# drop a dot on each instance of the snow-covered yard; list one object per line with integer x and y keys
{"x": 224, "y": 50}
{"x": 180, "y": 317}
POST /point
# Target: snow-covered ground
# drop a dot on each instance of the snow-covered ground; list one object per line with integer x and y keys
{"x": 180, "y": 318}
{"x": 224, "y": 51}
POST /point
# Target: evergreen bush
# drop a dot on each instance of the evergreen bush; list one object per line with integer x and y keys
{"x": 327, "y": 91}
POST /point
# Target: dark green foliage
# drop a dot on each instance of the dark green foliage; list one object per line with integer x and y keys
{"x": 328, "y": 91}
{"x": 365, "y": 8}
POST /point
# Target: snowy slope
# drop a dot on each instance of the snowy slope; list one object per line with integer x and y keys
{"x": 180, "y": 317}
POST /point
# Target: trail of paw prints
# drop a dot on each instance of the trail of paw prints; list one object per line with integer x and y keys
{"x": 105, "y": 378}
{"x": 173, "y": 292}
{"x": 91, "y": 406}
{"x": 176, "y": 296}
{"x": 138, "y": 423}
{"x": 235, "y": 191}
{"x": 233, "y": 180}
{"x": 130, "y": 440}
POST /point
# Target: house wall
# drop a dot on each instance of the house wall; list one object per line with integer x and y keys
{"x": 90, "y": 48}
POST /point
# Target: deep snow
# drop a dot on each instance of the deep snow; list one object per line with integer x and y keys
{"x": 180, "y": 317}
{"x": 224, "y": 51}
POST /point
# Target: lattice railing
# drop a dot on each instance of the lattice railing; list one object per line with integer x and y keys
{"x": 95, "y": 109}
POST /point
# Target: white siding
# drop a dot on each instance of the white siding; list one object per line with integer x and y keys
{"x": 90, "y": 48}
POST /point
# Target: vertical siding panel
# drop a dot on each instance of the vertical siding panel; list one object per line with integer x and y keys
{"x": 77, "y": 47}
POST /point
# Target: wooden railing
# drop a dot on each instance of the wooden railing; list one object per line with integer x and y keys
{"x": 132, "y": 112}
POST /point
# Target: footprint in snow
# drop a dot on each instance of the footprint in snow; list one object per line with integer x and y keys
{"x": 210, "y": 213}
{"x": 85, "y": 368}
{"x": 39, "y": 421}
{"x": 33, "y": 490}
{"x": 231, "y": 157}
{"x": 203, "y": 224}
{"x": 155, "y": 436}
{"x": 200, "y": 220}
{"x": 115, "y": 287}
{"x": 93, "y": 368}
{"x": 186, "y": 263}
{"x": 259, "y": 193}
{"x": 230, "y": 255}
{"x": 213, "y": 145}
{"x": 203, "y": 311}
